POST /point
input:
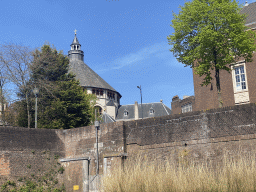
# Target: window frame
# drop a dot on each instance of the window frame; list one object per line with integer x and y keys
{"x": 187, "y": 107}
{"x": 126, "y": 113}
{"x": 233, "y": 67}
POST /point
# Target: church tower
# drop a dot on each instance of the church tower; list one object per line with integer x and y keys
{"x": 76, "y": 53}
{"x": 108, "y": 99}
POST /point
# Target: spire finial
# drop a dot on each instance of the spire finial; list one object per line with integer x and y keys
{"x": 75, "y": 31}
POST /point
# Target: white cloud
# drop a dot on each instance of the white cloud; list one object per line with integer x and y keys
{"x": 157, "y": 51}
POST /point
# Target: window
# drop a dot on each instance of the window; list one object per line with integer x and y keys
{"x": 186, "y": 108}
{"x": 101, "y": 92}
{"x": 240, "y": 78}
{"x": 125, "y": 113}
{"x": 93, "y": 91}
{"x": 240, "y": 83}
{"x": 151, "y": 111}
{"x": 98, "y": 110}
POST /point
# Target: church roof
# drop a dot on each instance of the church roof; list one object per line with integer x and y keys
{"x": 75, "y": 41}
{"x": 86, "y": 76}
{"x": 106, "y": 118}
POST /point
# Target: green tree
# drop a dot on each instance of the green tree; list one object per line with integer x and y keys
{"x": 69, "y": 108}
{"x": 210, "y": 35}
{"x": 62, "y": 104}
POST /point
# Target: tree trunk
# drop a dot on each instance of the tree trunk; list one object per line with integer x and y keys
{"x": 28, "y": 110}
{"x": 217, "y": 76}
{"x": 2, "y": 105}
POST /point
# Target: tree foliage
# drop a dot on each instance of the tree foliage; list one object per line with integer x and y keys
{"x": 211, "y": 35}
{"x": 62, "y": 104}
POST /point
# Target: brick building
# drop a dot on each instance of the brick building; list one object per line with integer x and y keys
{"x": 237, "y": 87}
{"x": 184, "y": 105}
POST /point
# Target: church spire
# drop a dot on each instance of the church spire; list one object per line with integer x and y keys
{"x": 76, "y": 52}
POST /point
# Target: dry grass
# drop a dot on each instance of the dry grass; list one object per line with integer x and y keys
{"x": 141, "y": 175}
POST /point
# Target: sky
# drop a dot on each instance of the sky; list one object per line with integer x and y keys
{"x": 124, "y": 41}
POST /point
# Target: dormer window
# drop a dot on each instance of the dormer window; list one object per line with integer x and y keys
{"x": 125, "y": 113}
{"x": 151, "y": 111}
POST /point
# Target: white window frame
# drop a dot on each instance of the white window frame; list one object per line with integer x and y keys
{"x": 235, "y": 88}
{"x": 186, "y": 108}
{"x": 125, "y": 113}
{"x": 151, "y": 111}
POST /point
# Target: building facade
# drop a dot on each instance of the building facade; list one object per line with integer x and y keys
{"x": 237, "y": 86}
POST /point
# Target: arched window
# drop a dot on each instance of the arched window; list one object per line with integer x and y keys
{"x": 98, "y": 110}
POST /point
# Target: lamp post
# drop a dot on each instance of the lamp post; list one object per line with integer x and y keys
{"x": 36, "y": 91}
{"x": 141, "y": 101}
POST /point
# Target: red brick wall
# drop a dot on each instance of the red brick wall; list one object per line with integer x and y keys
{"x": 207, "y": 98}
{"x": 251, "y": 77}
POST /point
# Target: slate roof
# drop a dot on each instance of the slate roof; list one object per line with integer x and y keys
{"x": 159, "y": 108}
{"x": 250, "y": 11}
{"x": 107, "y": 118}
{"x": 86, "y": 76}
{"x": 75, "y": 41}
{"x": 111, "y": 103}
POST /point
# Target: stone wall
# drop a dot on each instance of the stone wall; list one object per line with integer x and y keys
{"x": 200, "y": 135}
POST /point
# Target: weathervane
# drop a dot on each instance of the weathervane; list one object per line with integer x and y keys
{"x": 75, "y": 31}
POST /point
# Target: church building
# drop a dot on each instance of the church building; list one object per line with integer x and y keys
{"x": 108, "y": 99}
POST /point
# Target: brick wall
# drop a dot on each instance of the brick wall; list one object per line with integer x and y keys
{"x": 207, "y": 98}
{"x": 25, "y": 151}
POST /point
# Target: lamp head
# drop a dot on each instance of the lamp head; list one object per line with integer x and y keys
{"x": 36, "y": 91}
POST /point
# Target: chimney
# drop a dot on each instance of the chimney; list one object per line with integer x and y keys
{"x": 246, "y": 4}
{"x": 161, "y": 100}
{"x": 136, "y": 110}
{"x": 175, "y": 98}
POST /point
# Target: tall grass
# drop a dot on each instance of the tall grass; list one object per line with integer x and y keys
{"x": 150, "y": 176}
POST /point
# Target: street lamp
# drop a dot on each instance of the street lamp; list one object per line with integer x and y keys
{"x": 36, "y": 91}
{"x": 141, "y": 101}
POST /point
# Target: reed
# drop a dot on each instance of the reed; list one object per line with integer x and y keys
{"x": 140, "y": 174}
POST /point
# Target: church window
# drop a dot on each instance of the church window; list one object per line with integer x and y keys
{"x": 97, "y": 92}
{"x": 98, "y": 110}
{"x": 101, "y": 92}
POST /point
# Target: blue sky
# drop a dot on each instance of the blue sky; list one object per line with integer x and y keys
{"x": 123, "y": 41}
